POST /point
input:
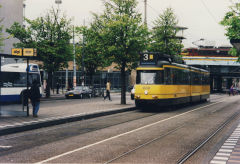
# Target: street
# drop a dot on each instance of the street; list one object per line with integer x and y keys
{"x": 129, "y": 137}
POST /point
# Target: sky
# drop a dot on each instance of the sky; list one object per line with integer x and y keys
{"x": 201, "y": 17}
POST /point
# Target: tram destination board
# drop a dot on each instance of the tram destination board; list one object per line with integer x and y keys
{"x": 148, "y": 59}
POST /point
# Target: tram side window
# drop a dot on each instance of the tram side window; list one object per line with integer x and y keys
{"x": 180, "y": 76}
{"x": 205, "y": 80}
{"x": 175, "y": 76}
{"x": 196, "y": 78}
{"x": 168, "y": 76}
{"x": 183, "y": 77}
{"x": 186, "y": 76}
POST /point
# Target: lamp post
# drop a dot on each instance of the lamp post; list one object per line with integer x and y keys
{"x": 74, "y": 61}
{"x": 58, "y": 2}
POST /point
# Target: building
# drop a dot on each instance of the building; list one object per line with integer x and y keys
{"x": 11, "y": 11}
{"x": 224, "y": 69}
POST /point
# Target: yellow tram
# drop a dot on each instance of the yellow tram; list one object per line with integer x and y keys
{"x": 162, "y": 82}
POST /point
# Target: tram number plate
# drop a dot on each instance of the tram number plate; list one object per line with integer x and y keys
{"x": 148, "y": 59}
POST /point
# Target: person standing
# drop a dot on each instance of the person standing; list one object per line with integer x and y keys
{"x": 108, "y": 87}
{"x": 58, "y": 86}
{"x": 231, "y": 90}
{"x": 35, "y": 97}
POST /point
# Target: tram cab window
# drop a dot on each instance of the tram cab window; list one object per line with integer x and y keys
{"x": 150, "y": 77}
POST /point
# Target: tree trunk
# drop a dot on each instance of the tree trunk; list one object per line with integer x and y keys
{"x": 49, "y": 84}
{"x": 123, "y": 83}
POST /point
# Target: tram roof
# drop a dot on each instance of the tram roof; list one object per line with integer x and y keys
{"x": 155, "y": 67}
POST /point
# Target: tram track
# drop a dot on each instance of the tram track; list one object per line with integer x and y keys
{"x": 74, "y": 129}
{"x": 133, "y": 116}
{"x": 202, "y": 143}
{"x": 145, "y": 144}
{"x": 188, "y": 154}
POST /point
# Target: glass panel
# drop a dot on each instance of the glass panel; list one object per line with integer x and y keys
{"x": 150, "y": 77}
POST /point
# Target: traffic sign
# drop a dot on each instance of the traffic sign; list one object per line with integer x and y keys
{"x": 17, "y": 51}
{"x": 29, "y": 52}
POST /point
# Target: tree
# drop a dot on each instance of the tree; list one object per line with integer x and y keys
{"x": 164, "y": 38}
{"x": 90, "y": 52}
{"x": 231, "y": 21}
{"x": 123, "y": 36}
{"x": 50, "y": 35}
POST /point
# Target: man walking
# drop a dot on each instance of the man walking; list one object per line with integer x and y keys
{"x": 35, "y": 97}
{"x": 108, "y": 86}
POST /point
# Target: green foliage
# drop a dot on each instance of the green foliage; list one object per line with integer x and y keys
{"x": 123, "y": 33}
{"x": 50, "y": 35}
{"x": 164, "y": 34}
{"x": 90, "y": 50}
{"x": 231, "y": 21}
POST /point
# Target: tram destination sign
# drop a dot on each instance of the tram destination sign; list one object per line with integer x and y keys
{"x": 17, "y": 51}
{"x": 148, "y": 59}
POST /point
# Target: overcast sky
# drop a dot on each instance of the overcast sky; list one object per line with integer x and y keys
{"x": 201, "y": 17}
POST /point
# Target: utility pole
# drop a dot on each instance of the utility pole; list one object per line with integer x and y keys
{"x": 145, "y": 12}
{"x": 74, "y": 61}
{"x": 82, "y": 71}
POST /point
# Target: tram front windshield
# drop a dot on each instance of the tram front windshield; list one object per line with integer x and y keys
{"x": 149, "y": 77}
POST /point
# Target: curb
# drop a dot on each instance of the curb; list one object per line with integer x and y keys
{"x": 59, "y": 120}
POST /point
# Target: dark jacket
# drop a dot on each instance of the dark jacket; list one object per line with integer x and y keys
{"x": 35, "y": 93}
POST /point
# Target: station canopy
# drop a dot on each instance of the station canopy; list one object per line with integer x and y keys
{"x": 223, "y": 61}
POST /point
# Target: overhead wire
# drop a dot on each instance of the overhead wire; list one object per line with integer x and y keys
{"x": 209, "y": 12}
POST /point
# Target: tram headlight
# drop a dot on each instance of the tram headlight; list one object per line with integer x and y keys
{"x": 145, "y": 92}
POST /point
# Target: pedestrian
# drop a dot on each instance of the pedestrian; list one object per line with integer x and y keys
{"x": 35, "y": 97}
{"x": 108, "y": 86}
{"x": 58, "y": 86}
{"x": 231, "y": 91}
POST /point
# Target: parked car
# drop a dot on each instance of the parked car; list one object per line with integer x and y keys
{"x": 80, "y": 92}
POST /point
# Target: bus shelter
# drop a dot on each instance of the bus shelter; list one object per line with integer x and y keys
{"x": 24, "y": 99}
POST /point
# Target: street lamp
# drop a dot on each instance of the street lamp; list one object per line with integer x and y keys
{"x": 58, "y": 2}
{"x": 74, "y": 61}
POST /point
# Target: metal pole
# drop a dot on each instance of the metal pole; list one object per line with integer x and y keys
{"x": 145, "y": 12}
{"x": 74, "y": 62}
{"x": 66, "y": 85}
{"x": 27, "y": 85}
{"x": 0, "y": 86}
{"x": 83, "y": 75}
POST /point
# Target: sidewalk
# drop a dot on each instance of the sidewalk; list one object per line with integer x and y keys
{"x": 62, "y": 113}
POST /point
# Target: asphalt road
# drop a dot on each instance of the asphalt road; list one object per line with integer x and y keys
{"x": 131, "y": 137}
